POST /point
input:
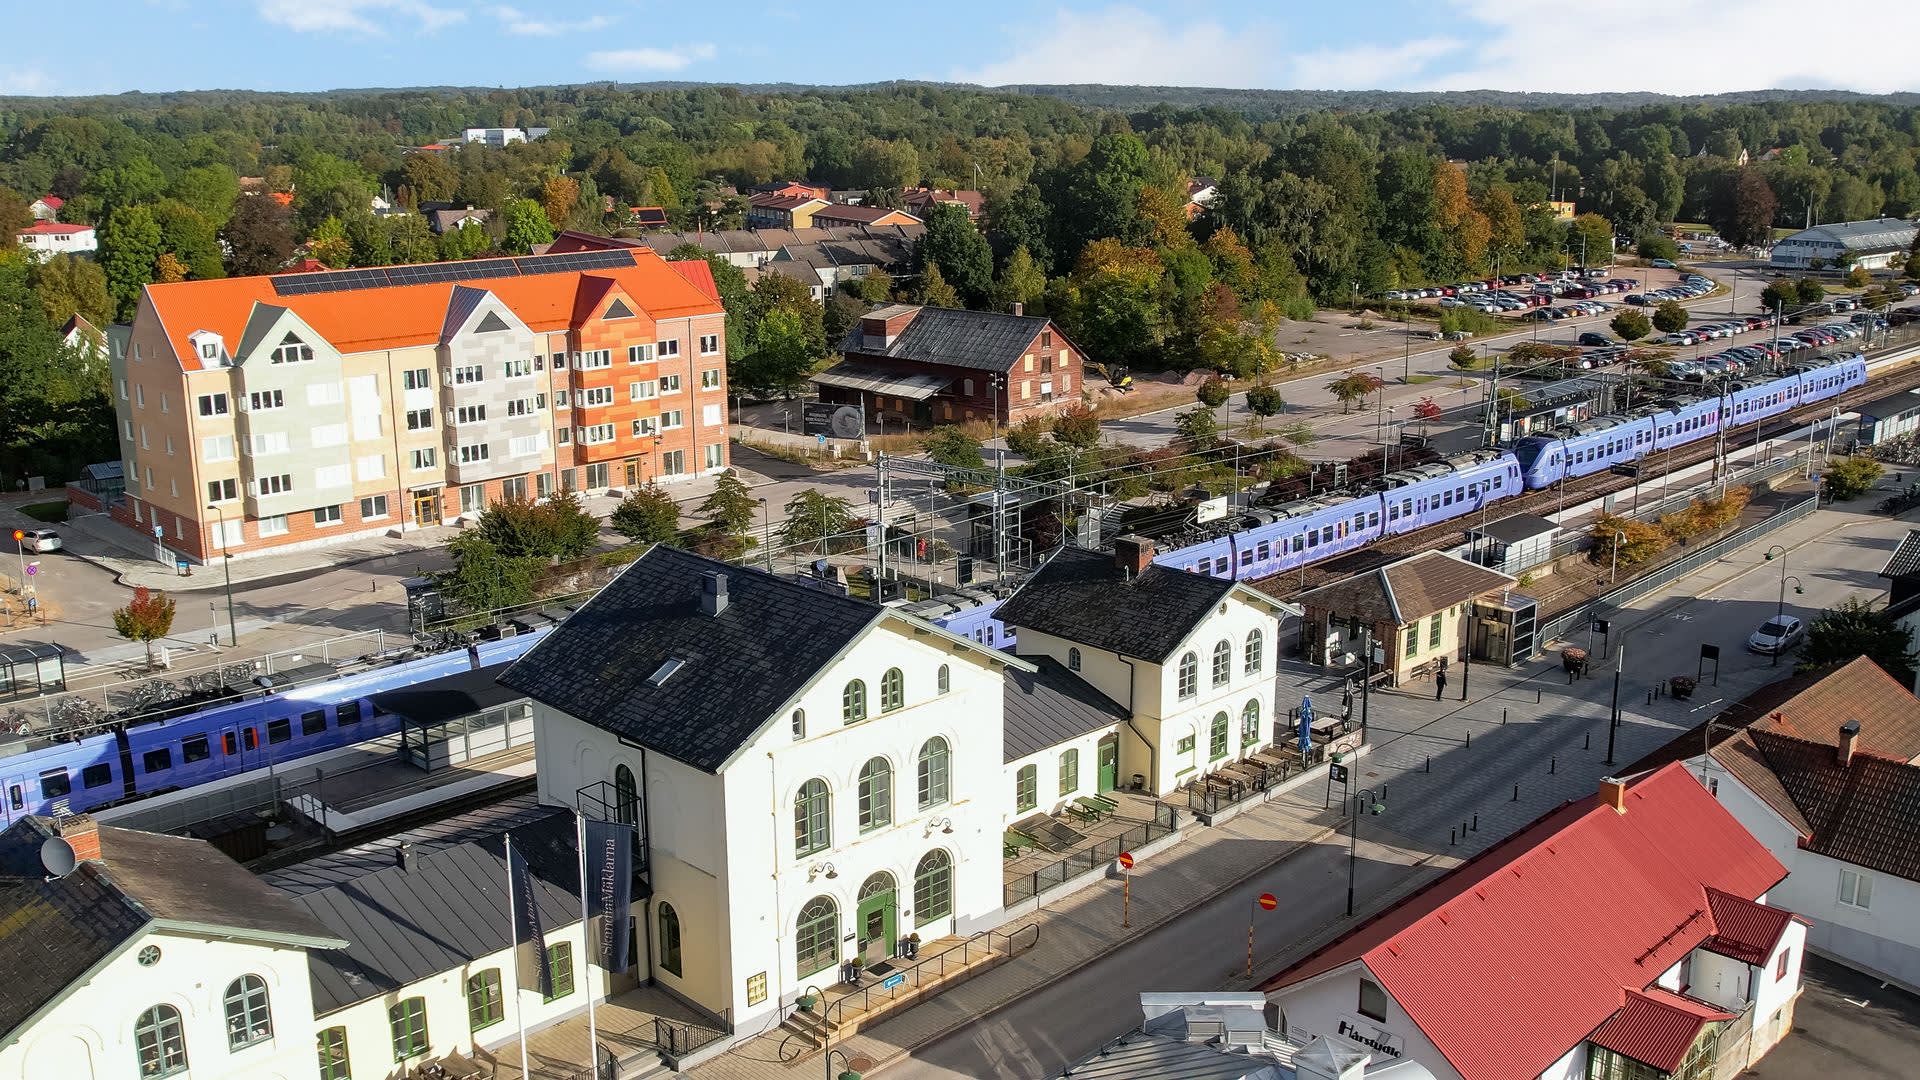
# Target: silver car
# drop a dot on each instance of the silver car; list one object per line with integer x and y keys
{"x": 1777, "y": 635}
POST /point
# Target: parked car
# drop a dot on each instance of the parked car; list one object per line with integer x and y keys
{"x": 40, "y": 541}
{"x": 1909, "y": 289}
{"x": 1591, "y": 338}
{"x": 1777, "y": 635}
{"x": 1661, "y": 264}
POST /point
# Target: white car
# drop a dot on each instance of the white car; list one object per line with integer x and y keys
{"x": 1777, "y": 635}
{"x": 40, "y": 541}
{"x": 1452, "y": 301}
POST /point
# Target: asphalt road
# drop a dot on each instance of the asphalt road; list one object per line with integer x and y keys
{"x": 1847, "y": 1026}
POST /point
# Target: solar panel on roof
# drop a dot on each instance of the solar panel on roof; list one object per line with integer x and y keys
{"x": 377, "y": 277}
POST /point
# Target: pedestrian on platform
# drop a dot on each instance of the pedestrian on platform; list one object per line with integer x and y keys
{"x": 1439, "y": 685}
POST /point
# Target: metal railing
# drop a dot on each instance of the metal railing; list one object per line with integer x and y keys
{"x": 1088, "y": 860}
{"x": 1581, "y": 614}
{"x": 929, "y": 972}
{"x": 678, "y": 1038}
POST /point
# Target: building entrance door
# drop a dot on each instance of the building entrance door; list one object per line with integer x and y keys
{"x": 1109, "y": 763}
{"x": 633, "y": 472}
{"x": 875, "y": 920}
{"x": 426, "y": 507}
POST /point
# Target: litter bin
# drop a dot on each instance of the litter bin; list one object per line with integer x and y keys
{"x": 181, "y": 567}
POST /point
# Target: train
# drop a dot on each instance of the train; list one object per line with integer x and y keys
{"x": 1268, "y": 540}
{"x": 139, "y": 760}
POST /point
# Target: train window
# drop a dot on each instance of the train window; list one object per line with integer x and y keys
{"x": 1393, "y": 511}
{"x": 228, "y": 744}
{"x": 1313, "y": 539}
{"x": 1246, "y": 558}
{"x": 1220, "y": 565}
{"x": 250, "y": 738}
{"x": 158, "y": 760}
{"x": 313, "y": 723}
{"x": 195, "y": 748}
{"x": 1446, "y": 498}
{"x": 279, "y": 731}
{"x": 94, "y": 776}
{"x": 1373, "y": 520}
{"x": 1359, "y": 521}
{"x": 55, "y": 784}
{"x": 1406, "y": 508}
{"x": 1326, "y": 534}
{"x": 15, "y": 799}
{"x": 1261, "y": 552}
{"x": 347, "y": 713}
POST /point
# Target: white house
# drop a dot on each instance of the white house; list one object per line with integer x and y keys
{"x": 1629, "y": 935}
{"x": 46, "y": 208}
{"x": 1188, "y": 658}
{"x": 1844, "y": 245}
{"x": 1820, "y": 768}
{"x": 45, "y": 239}
{"x": 815, "y": 777}
{"x": 500, "y": 136}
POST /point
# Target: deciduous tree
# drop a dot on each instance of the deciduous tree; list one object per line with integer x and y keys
{"x": 814, "y": 517}
{"x": 259, "y": 235}
{"x": 1670, "y": 317}
{"x": 129, "y": 244}
{"x": 1354, "y": 386}
{"x": 647, "y": 515}
{"x": 731, "y": 507}
{"x": 1264, "y": 401}
{"x": 1854, "y": 629}
{"x": 526, "y": 225}
{"x": 147, "y": 618}
{"x": 1630, "y": 325}
{"x": 952, "y": 244}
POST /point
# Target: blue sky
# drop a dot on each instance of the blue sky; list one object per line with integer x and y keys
{"x": 118, "y": 45}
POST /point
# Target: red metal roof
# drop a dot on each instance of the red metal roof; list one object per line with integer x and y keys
{"x": 700, "y": 273}
{"x": 1517, "y": 955}
{"x": 1742, "y": 929}
{"x": 1656, "y": 1027}
{"x": 53, "y": 202}
{"x": 53, "y": 228}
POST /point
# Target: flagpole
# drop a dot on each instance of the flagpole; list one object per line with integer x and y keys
{"x": 513, "y": 935}
{"x": 586, "y": 943}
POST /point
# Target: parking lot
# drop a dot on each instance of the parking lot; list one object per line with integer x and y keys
{"x": 1847, "y": 1026}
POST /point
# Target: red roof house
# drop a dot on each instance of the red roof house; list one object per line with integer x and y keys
{"x": 1631, "y": 924}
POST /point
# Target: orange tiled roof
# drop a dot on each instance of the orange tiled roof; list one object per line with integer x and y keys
{"x": 399, "y": 316}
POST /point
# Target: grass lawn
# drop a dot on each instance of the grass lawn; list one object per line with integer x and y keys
{"x": 1423, "y": 378}
{"x": 47, "y": 511}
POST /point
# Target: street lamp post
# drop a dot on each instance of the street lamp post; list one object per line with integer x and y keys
{"x": 1613, "y": 578}
{"x": 1362, "y": 801}
{"x": 226, "y": 567}
{"x": 1613, "y": 722}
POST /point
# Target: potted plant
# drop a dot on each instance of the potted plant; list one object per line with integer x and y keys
{"x": 1573, "y": 659}
{"x": 1682, "y": 686}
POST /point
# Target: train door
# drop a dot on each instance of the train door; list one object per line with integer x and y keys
{"x": 240, "y": 745}
{"x": 13, "y": 799}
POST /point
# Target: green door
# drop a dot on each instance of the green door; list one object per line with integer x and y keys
{"x": 876, "y": 919}
{"x": 1109, "y": 764}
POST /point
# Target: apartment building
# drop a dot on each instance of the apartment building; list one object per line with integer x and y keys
{"x": 264, "y": 413}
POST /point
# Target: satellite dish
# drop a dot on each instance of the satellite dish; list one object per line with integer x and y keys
{"x": 58, "y": 857}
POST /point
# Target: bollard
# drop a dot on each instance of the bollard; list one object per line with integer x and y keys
{"x": 1469, "y": 737}
{"x": 1516, "y": 793}
{"x": 1649, "y": 695}
{"x": 1463, "y": 830}
{"x": 1429, "y": 767}
{"x": 1536, "y": 697}
{"x": 1503, "y": 718}
{"x": 1587, "y": 743}
{"x": 1553, "y": 765}
{"x": 1450, "y": 839}
{"x": 1476, "y": 823}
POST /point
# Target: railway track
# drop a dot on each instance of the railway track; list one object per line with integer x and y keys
{"x": 1654, "y": 467}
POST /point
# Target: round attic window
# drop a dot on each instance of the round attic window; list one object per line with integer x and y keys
{"x": 148, "y": 956}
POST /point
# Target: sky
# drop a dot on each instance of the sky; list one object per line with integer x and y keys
{"x": 1667, "y": 46}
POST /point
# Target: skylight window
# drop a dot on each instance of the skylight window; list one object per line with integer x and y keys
{"x": 665, "y": 671}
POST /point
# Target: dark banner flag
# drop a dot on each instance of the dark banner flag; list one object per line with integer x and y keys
{"x": 526, "y": 916}
{"x": 608, "y": 855}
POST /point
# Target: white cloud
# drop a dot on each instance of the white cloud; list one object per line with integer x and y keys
{"x": 674, "y": 58}
{"x": 515, "y": 21}
{"x": 25, "y": 81}
{"x": 358, "y": 16}
{"x": 1748, "y": 45}
{"x": 1126, "y": 45}
{"x": 1366, "y": 67}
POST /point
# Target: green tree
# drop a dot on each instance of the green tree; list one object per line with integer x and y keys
{"x": 129, "y": 243}
{"x": 526, "y": 226}
{"x": 952, "y": 244}
{"x": 1077, "y": 426}
{"x": 874, "y": 287}
{"x": 1670, "y": 317}
{"x": 190, "y": 237}
{"x": 14, "y": 216}
{"x": 1212, "y": 392}
{"x": 1021, "y": 282}
{"x": 326, "y": 186}
{"x": 259, "y": 235}
{"x": 647, "y": 515}
{"x": 1742, "y": 206}
{"x": 1851, "y": 477}
{"x": 1630, "y": 325}
{"x": 1264, "y": 401}
{"x": 953, "y": 447}
{"x": 1197, "y": 430}
{"x": 1809, "y": 291}
{"x": 485, "y": 579}
{"x": 464, "y": 241}
{"x": 1101, "y": 193}
{"x": 814, "y": 517}
{"x": 1657, "y": 247}
{"x": 409, "y": 239}
{"x": 1859, "y": 278}
{"x": 787, "y": 329}
{"x": 330, "y": 245}
{"x": 1855, "y": 629}
{"x": 1354, "y": 386}
{"x": 1780, "y": 295}
{"x": 146, "y": 618}
{"x": 731, "y": 507}
{"x": 560, "y": 528}
{"x": 1464, "y": 358}
{"x": 210, "y": 190}
{"x": 67, "y": 286}
{"x": 934, "y": 290}
{"x": 1590, "y": 238}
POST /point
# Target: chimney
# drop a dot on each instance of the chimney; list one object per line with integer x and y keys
{"x": 713, "y": 593}
{"x": 1019, "y": 308}
{"x": 74, "y": 841}
{"x": 1849, "y": 739}
{"x": 403, "y": 856}
{"x": 1132, "y": 554}
{"x": 1613, "y": 792}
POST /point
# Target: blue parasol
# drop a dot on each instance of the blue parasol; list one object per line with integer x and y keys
{"x": 1306, "y": 724}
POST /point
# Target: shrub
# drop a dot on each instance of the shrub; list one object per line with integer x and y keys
{"x": 1631, "y": 325}
{"x": 1657, "y": 247}
{"x": 1637, "y": 541}
{"x": 1212, "y": 392}
{"x": 1849, "y": 478}
{"x": 1028, "y": 437}
{"x": 1859, "y": 278}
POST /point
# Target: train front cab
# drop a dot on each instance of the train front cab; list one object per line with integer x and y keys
{"x": 1542, "y": 460}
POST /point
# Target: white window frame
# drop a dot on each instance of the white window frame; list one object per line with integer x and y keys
{"x": 709, "y": 344}
{"x": 672, "y": 419}
{"x": 1856, "y": 890}
{"x": 669, "y": 384}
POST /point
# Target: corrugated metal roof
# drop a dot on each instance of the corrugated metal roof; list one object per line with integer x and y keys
{"x": 1657, "y": 1027}
{"x": 373, "y": 856}
{"x": 1874, "y": 234}
{"x": 1051, "y": 705}
{"x": 1537, "y": 921}
{"x": 1906, "y": 557}
{"x": 1742, "y": 929}
{"x": 854, "y": 375}
{"x": 953, "y": 337}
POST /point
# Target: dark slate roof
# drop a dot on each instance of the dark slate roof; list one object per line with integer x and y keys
{"x": 448, "y": 909}
{"x": 981, "y": 340}
{"x": 1906, "y": 557}
{"x": 1084, "y": 596}
{"x": 1516, "y": 527}
{"x": 1049, "y": 705}
{"x": 738, "y": 668}
{"x": 1408, "y": 590}
{"x": 1866, "y": 813}
{"x": 449, "y": 697}
{"x": 58, "y": 929}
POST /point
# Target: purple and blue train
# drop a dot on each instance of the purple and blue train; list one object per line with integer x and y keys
{"x": 1272, "y": 540}
{"x": 210, "y": 744}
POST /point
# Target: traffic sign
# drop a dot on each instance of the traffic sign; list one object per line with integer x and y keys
{"x": 33, "y": 568}
{"x": 1126, "y": 860}
{"x": 1268, "y": 901}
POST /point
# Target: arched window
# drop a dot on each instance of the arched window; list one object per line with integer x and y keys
{"x": 1026, "y": 788}
{"x": 1189, "y": 675}
{"x": 1073, "y": 659}
{"x": 1217, "y": 739}
{"x": 932, "y": 772}
{"x": 1069, "y": 772}
{"x": 1250, "y": 725}
{"x": 943, "y": 680}
{"x": 626, "y": 795}
{"x": 334, "y": 1063}
{"x": 1256, "y": 651}
{"x": 407, "y": 1023}
{"x": 161, "y": 1042}
{"x": 486, "y": 999}
{"x": 933, "y": 887}
{"x": 248, "y": 1019}
{"x": 812, "y": 818}
{"x": 799, "y": 723}
{"x": 853, "y": 702}
{"x": 876, "y": 794}
{"x": 879, "y": 882}
{"x": 669, "y": 939}
{"x": 816, "y": 937}
{"x": 1222, "y": 663}
{"x": 893, "y": 690}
